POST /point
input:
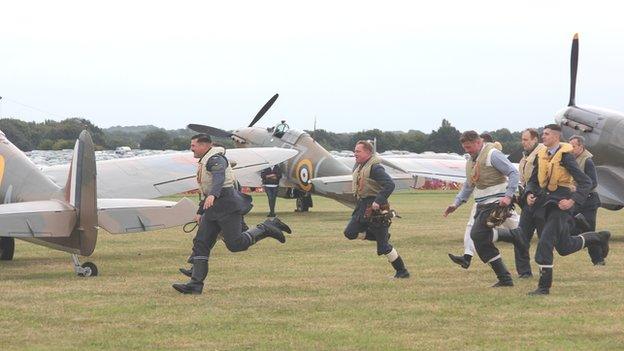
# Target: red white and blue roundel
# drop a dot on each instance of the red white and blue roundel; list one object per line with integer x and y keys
{"x": 305, "y": 174}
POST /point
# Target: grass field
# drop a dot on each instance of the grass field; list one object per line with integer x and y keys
{"x": 319, "y": 291}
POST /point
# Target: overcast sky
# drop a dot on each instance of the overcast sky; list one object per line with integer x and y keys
{"x": 392, "y": 65}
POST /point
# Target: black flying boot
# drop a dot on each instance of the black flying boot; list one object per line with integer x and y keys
{"x": 399, "y": 266}
{"x": 599, "y": 238}
{"x": 545, "y": 282}
{"x": 265, "y": 230}
{"x": 186, "y": 272}
{"x": 463, "y": 261}
{"x": 514, "y": 236}
{"x": 196, "y": 285}
{"x": 277, "y": 223}
{"x": 503, "y": 275}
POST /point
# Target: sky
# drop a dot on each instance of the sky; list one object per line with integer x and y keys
{"x": 351, "y": 65}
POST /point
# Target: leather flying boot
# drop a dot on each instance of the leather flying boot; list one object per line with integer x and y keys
{"x": 503, "y": 275}
{"x": 514, "y": 236}
{"x": 265, "y": 230}
{"x": 463, "y": 261}
{"x": 277, "y": 223}
{"x": 186, "y": 272}
{"x": 545, "y": 282}
{"x": 598, "y": 238}
{"x": 196, "y": 285}
{"x": 399, "y": 266}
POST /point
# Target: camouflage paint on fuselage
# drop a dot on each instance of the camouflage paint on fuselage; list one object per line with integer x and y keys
{"x": 21, "y": 179}
{"x": 312, "y": 160}
{"x": 603, "y": 131}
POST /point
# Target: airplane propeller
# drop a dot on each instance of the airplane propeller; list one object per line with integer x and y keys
{"x": 220, "y": 133}
{"x": 264, "y": 110}
{"x": 215, "y": 132}
{"x": 573, "y": 69}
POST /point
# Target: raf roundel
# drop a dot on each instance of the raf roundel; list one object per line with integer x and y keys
{"x": 305, "y": 174}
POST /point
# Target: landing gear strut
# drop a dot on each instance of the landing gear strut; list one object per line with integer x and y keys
{"x": 7, "y": 248}
{"x": 87, "y": 269}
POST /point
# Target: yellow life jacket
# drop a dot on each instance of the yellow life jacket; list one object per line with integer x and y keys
{"x": 479, "y": 174}
{"x": 551, "y": 174}
{"x": 362, "y": 184}
{"x": 204, "y": 177}
{"x": 526, "y": 164}
{"x": 582, "y": 159}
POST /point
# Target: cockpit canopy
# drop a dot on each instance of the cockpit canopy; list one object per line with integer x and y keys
{"x": 281, "y": 129}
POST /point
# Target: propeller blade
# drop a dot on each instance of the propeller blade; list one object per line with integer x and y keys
{"x": 264, "y": 110}
{"x": 212, "y": 131}
{"x": 573, "y": 69}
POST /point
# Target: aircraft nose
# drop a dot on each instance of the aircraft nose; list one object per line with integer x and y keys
{"x": 577, "y": 119}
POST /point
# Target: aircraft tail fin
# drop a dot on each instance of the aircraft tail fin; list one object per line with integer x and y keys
{"x": 81, "y": 193}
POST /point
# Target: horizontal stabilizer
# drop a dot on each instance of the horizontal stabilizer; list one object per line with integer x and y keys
{"x": 37, "y": 219}
{"x": 119, "y": 216}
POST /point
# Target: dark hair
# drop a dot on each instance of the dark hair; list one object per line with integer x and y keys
{"x": 579, "y": 138}
{"x": 202, "y": 138}
{"x": 553, "y": 127}
{"x": 487, "y": 137}
{"x": 534, "y": 134}
{"x": 469, "y": 135}
{"x": 368, "y": 146}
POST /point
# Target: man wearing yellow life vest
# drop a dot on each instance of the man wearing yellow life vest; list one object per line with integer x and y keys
{"x": 586, "y": 213}
{"x": 531, "y": 147}
{"x": 550, "y": 193}
{"x": 494, "y": 181}
{"x": 510, "y": 223}
{"x": 221, "y": 211}
{"x": 372, "y": 186}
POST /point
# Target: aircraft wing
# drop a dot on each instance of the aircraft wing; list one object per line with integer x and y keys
{"x": 166, "y": 174}
{"x": 453, "y": 170}
{"x": 610, "y": 188}
{"x": 342, "y": 184}
{"x": 120, "y": 216}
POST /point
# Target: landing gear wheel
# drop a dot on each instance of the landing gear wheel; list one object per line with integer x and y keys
{"x": 90, "y": 270}
{"x": 7, "y": 248}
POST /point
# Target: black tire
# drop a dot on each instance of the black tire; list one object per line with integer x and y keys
{"x": 92, "y": 267}
{"x": 7, "y": 248}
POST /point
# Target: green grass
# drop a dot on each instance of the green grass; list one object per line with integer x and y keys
{"x": 319, "y": 291}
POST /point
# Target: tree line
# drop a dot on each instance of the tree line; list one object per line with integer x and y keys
{"x": 53, "y": 135}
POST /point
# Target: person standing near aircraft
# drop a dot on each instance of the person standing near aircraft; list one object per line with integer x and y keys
{"x": 549, "y": 192}
{"x": 372, "y": 186}
{"x": 493, "y": 180}
{"x": 221, "y": 210}
{"x": 510, "y": 223}
{"x": 270, "y": 181}
{"x": 587, "y": 212}
{"x": 531, "y": 148}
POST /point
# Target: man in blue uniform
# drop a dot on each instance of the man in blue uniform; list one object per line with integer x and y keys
{"x": 221, "y": 211}
{"x": 372, "y": 186}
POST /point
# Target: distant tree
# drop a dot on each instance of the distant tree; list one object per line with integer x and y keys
{"x": 155, "y": 140}
{"x": 20, "y": 133}
{"x": 413, "y": 141}
{"x": 445, "y": 139}
{"x": 179, "y": 143}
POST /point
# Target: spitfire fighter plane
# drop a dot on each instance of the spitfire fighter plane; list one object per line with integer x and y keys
{"x": 62, "y": 207}
{"x": 603, "y": 130}
{"x": 315, "y": 170}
